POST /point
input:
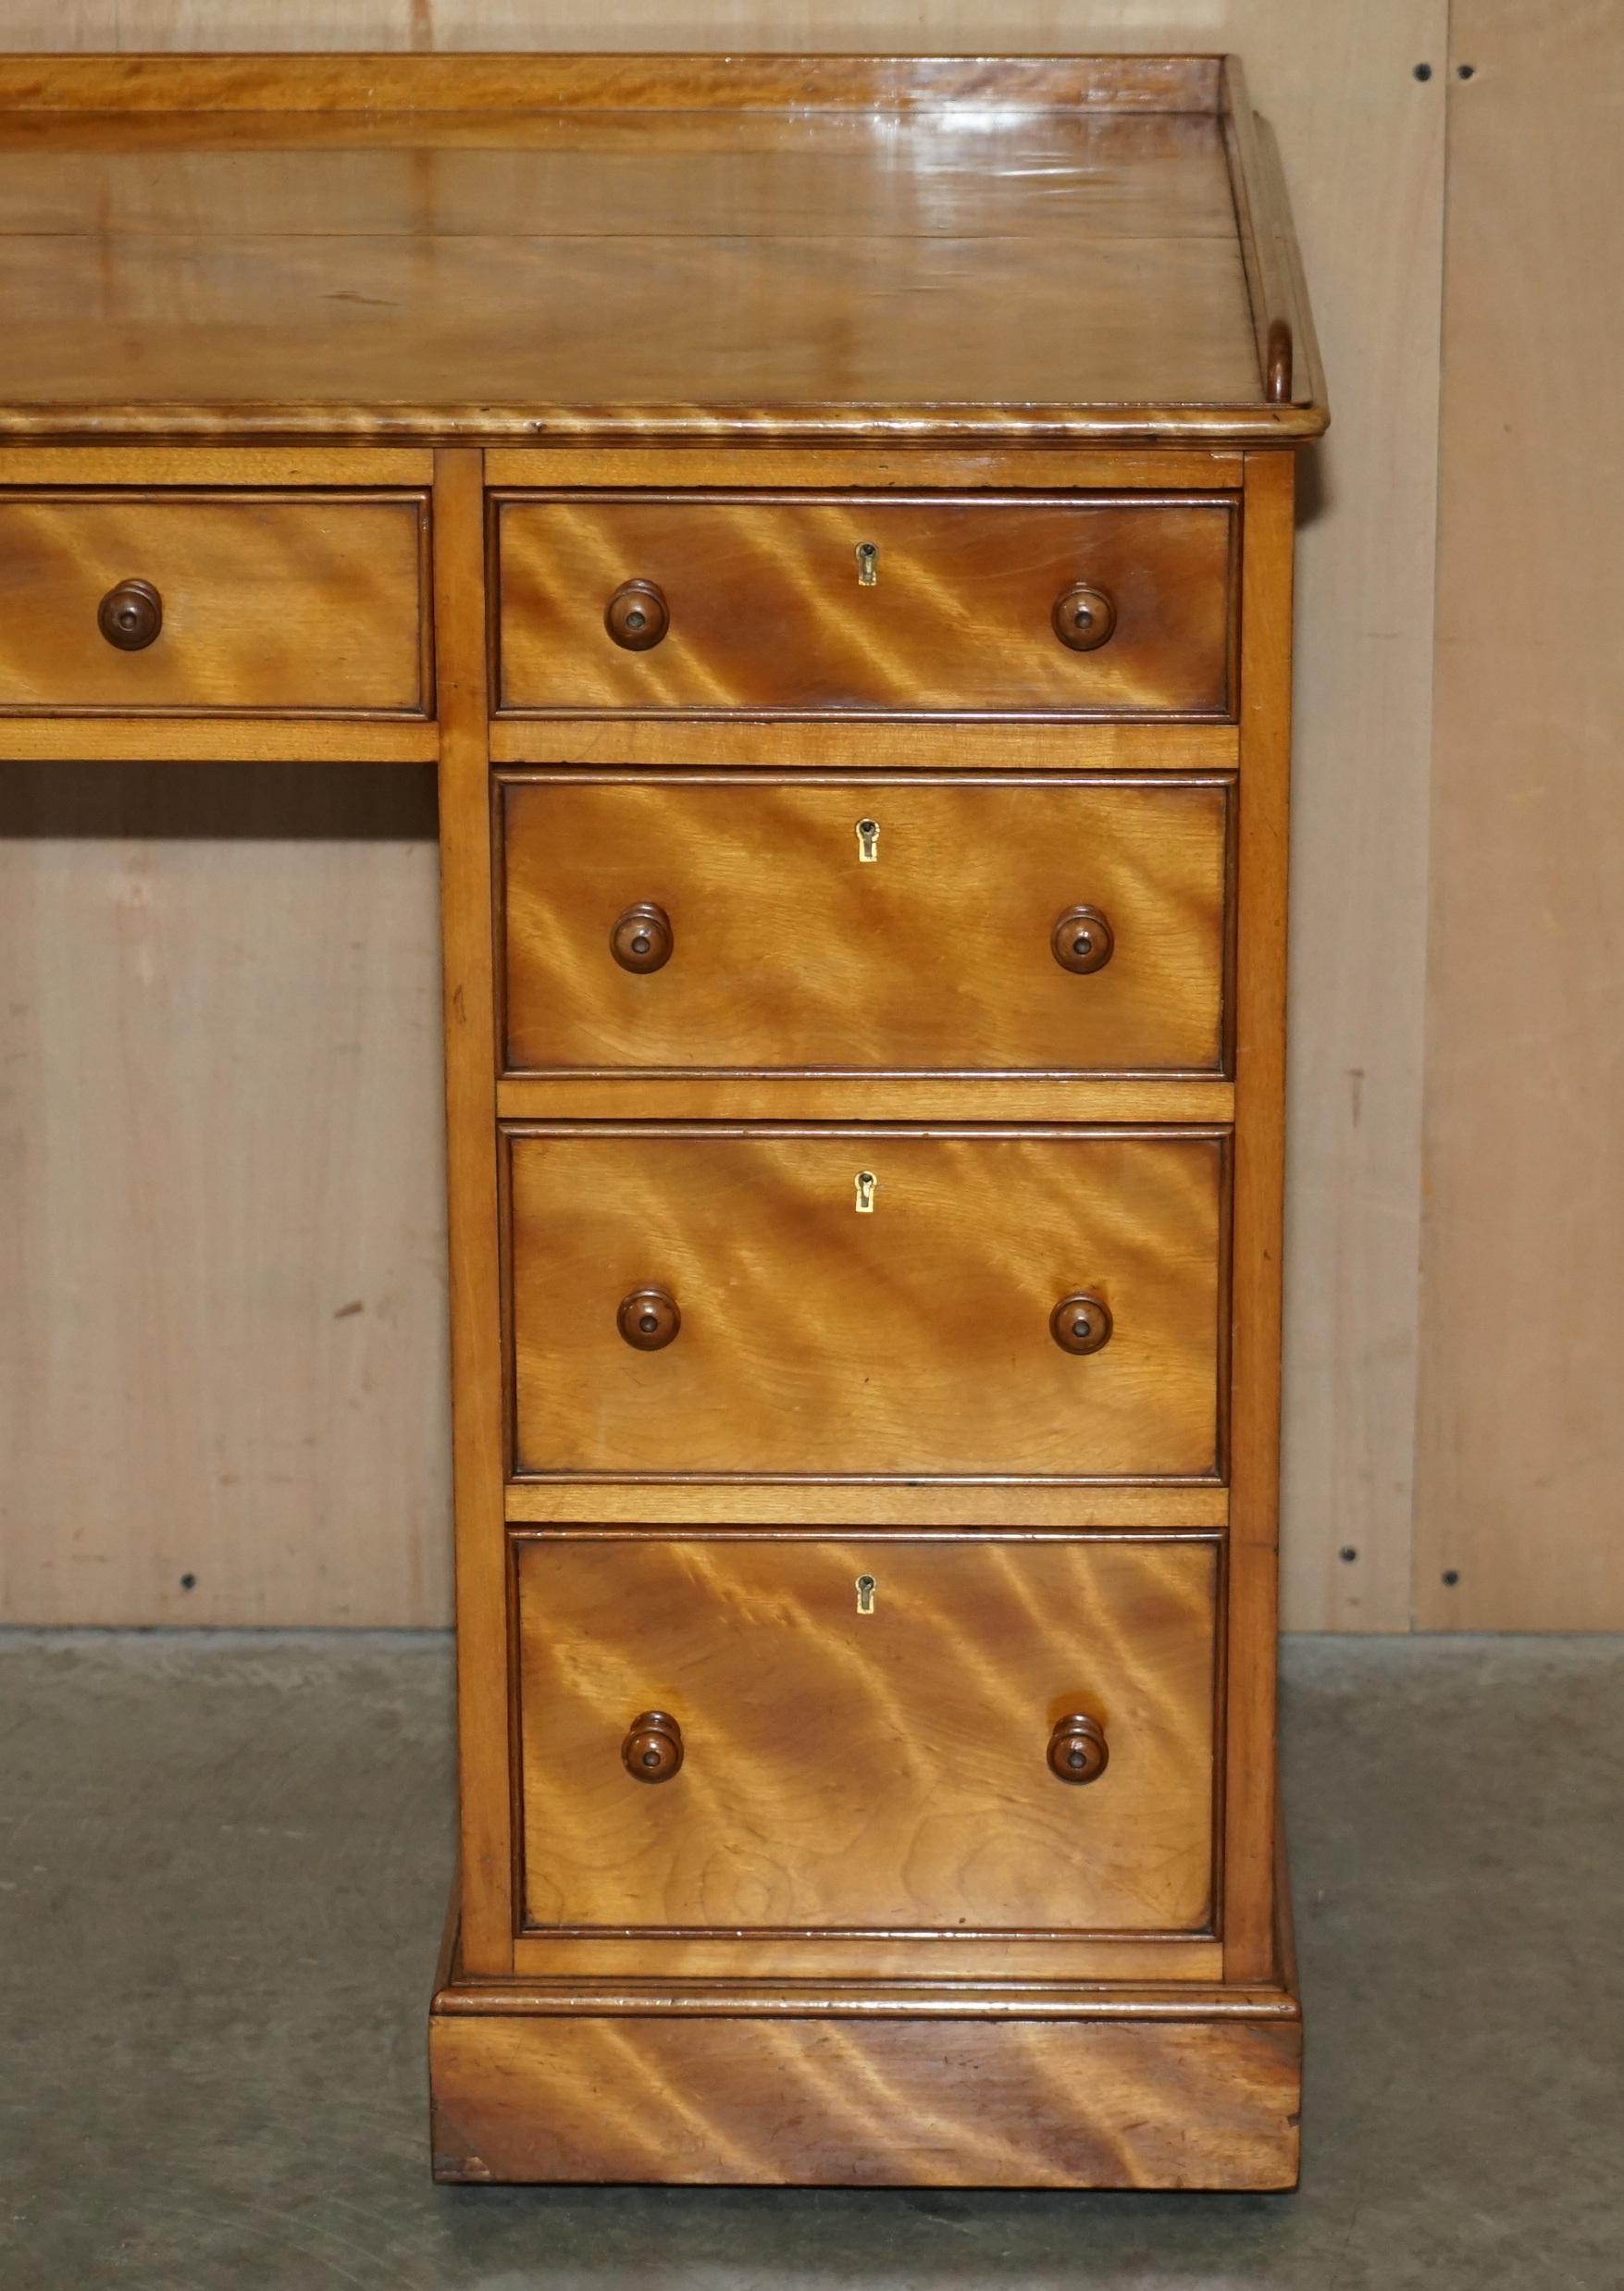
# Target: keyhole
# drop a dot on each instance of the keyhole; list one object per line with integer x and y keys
{"x": 865, "y": 1595}
{"x": 868, "y": 564}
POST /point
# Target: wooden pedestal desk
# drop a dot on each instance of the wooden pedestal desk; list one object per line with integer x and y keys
{"x": 830, "y": 521}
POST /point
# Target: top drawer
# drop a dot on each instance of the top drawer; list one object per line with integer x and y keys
{"x": 706, "y": 603}
{"x": 279, "y": 604}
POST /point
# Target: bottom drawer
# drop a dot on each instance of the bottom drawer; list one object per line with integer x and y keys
{"x": 801, "y": 1735}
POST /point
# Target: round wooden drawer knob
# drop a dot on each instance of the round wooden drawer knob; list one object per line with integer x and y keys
{"x": 1082, "y": 940}
{"x": 648, "y": 1319}
{"x": 1077, "y": 1749}
{"x": 1081, "y": 1323}
{"x": 652, "y": 1750}
{"x": 1083, "y": 618}
{"x": 638, "y": 615}
{"x": 643, "y": 939}
{"x": 131, "y": 615}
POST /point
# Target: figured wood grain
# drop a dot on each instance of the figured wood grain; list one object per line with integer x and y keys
{"x": 842, "y": 1966}
{"x": 934, "y": 1503}
{"x": 864, "y": 468}
{"x": 1136, "y": 324}
{"x": 792, "y": 951}
{"x": 746, "y": 1097}
{"x": 881, "y": 1771}
{"x": 1516, "y": 1508}
{"x": 889, "y": 743}
{"x": 270, "y": 602}
{"x": 912, "y": 1342}
{"x": 767, "y": 613}
{"x": 1203, "y": 2103}
{"x": 175, "y": 739}
{"x": 664, "y": 82}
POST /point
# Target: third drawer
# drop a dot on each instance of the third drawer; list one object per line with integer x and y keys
{"x": 776, "y": 1302}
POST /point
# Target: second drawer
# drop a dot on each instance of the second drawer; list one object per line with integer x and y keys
{"x": 680, "y": 922}
{"x": 866, "y": 1303}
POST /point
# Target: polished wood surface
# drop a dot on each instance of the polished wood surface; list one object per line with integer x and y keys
{"x": 206, "y": 211}
{"x": 889, "y": 743}
{"x": 264, "y": 603}
{"x": 468, "y": 1006}
{"x": 1040, "y": 1710}
{"x": 1251, "y": 1815}
{"x": 664, "y": 82}
{"x": 1201, "y": 2102}
{"x": 1339, "y": 87}
{"x": 1159, "y": 1504}
{"x": 774, "y": 945}
{"x": 911, "y": 1342}
{"x": 880, "y": 1770}
{"x": 769, "y": 609}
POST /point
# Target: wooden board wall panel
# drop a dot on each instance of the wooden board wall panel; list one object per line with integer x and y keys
{"x": 1522, "y": 1346}
{"x": 1361, "y": 143}
{"x": 222, "y": 1242}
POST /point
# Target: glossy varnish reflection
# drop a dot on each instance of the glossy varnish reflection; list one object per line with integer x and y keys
{"x": 272, "y": 602}
{"x": 941, "y": 1683}
{"x": 830, "y": 520}
{"x": 791, "y": 952}
{"x": 908, "y": 1341}
{"x": 768, "y": 611}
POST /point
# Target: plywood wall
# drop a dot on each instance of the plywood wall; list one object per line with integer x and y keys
{"x": 219, "y": 1129}
{"x": 1519, "y": 1520}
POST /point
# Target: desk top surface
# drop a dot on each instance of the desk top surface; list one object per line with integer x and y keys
{"x": 543, "y": 247}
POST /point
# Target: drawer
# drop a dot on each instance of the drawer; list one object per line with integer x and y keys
{"x": 279, "y": 604}
{"x": 780, "y": 1329}
{"x": 824, "y": 1768}
{"x": 846, "y": 925}
{"x": 765, "y": 605}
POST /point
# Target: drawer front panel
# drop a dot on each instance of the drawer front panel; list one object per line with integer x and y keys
{"x": 789, "y": 949}
{"x": 265, "y": 604}
{"x": 768, "y": 609}
{"x": 912, "y": 1339}
{"x": 825, "y": 1767}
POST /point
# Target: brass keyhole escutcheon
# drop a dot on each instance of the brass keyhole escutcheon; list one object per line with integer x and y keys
{"x": 868, "y": 840}
{"x": 868, "y": 564}
{"x": 866, "y": 1183}
{"x": 866, "y": 1588}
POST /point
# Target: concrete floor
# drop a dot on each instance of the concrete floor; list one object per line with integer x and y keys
{"x": 223, "y": 1864}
